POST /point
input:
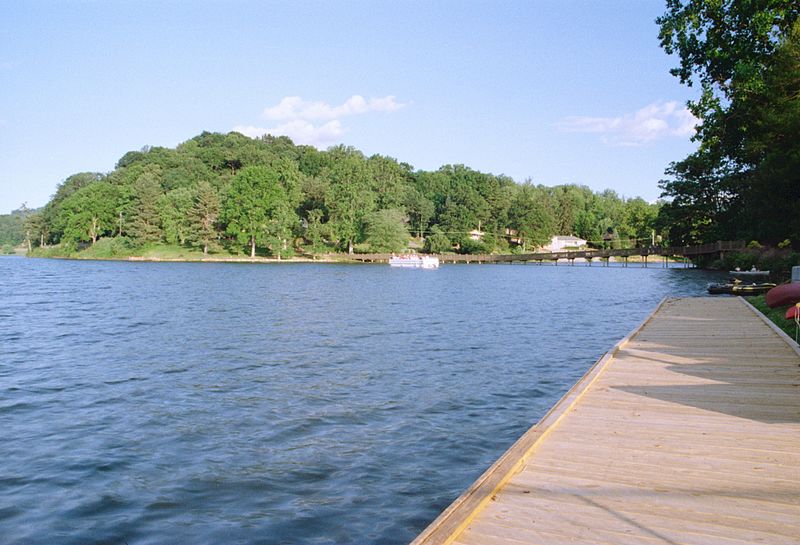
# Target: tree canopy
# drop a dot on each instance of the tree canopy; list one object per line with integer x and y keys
{"x": 743, "y": 181}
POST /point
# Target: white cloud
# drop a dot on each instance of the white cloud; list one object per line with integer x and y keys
{"x": 316, "y": 123}
{"x": 297, "y": 108}
{"x": 654, "y": 121}
{"x": 300, "y": 131}
{"x": 686, "y": 123}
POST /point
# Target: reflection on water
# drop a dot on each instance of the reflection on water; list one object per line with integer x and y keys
{"x": 299, "y": 403}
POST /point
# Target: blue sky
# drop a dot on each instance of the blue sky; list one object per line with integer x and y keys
{"x": 558, "y": 91}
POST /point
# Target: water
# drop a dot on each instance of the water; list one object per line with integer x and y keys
{"x": 294, "y": 403}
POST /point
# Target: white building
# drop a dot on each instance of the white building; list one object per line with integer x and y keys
{"x": 559, "y": 243}
{"x": 476, "y": 234}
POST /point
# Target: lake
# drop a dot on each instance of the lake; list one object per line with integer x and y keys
{"x": 291, "y": 403}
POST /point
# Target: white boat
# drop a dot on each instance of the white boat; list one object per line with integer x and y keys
{"x": 748, "y": 275}
{"x": 414, "y": 261}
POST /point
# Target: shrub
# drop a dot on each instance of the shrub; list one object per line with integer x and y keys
{"x": 437, "y": 242}
{"x": 106, "y": 248}
{"x": 470, "y": 246}
{"x": 59, "y": 250}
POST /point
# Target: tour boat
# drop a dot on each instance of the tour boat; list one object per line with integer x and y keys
{"x": 414, "y": 261}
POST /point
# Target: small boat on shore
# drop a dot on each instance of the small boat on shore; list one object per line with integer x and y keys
{"x": 739, "y": 288}
{"x": 414, "y": 261}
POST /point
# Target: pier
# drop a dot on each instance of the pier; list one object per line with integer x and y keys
{"x": 685, "y": 253}
{"x": 686, "y": 432}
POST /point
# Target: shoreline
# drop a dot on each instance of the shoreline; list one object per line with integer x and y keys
{"x": 460, "y": 259}
{"x": 145, "y": 259}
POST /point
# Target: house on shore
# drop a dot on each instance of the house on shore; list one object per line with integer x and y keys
{"x": 476, "y": 234}
{"x": 560, "y": 243}
{"x": 513, "y": 236}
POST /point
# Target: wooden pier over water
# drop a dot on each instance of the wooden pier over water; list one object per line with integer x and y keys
{"x": 685, "y": 252}
{"x": 687, "y": 432}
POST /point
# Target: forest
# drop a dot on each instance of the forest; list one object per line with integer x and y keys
{"x": 231, "y": 194}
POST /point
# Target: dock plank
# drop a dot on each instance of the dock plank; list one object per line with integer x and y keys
{"x": 687, "y": 432}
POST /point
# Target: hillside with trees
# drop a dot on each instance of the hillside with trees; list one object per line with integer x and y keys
{"x": 230, "y": 194}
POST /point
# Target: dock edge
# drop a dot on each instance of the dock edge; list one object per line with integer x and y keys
{"x": 781, "y": 333}
{"x": 458, "y": 515}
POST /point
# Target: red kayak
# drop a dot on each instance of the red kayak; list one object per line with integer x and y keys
{"x": 792, "y": 312}
{"x": 785, "y": 294}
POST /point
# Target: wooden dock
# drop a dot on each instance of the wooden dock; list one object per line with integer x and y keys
{"x": 687, "y": 432}
{"x": 685, "y": 252}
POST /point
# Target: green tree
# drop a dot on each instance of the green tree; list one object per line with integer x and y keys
{"x": 464, "y": 206}
{"x": 145, "y": 220}
{"x": 51, "y": 213}
{"x": 770, "y": 146}
{"x": 89, "y": 212}
{"x": 13, "y": 227}
{"x": 437, "y": 242}
{"x": 315, "y": 229}
{"x": 386, "y": 231}
{"x": 174, "y": 208}
{"x": 531, "y": 217}
{"x": 257, "y": 209}
{"x": 640, "y": 220}
{"x": 724, "y": 46}
{"x": 390, "y": 181}
{"x": 203, "y": 216}
{"x": 349, "y": 198}
{"x": 420, "y": 209}
{"x": 741, "y": 54}
{"x": 36, "y": 229}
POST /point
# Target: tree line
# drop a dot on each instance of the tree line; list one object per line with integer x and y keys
{"x": 12, "y": 232}
{"x": 268, "y": 196}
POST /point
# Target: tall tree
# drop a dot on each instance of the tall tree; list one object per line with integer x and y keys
{"x": 420, "y": 209}
{"x": 349, "y": 198}
{"x": 258, "y": 209}
{"x": 145, "y": 223}
{"x": 174, "y": 208}
{"x": 732, "y": 49}
{"x": 390, "y": 181}
{"x": 203, "y": 216}
{"x": 386, "y": 231}
{"x": 532, "y": 217}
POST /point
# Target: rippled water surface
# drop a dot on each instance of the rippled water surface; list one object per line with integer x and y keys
{"x": 294, "y": 403}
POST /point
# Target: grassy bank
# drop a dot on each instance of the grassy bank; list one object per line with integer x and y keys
{"x": 777, "y": 315}
{"x": 115, "y": 249}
